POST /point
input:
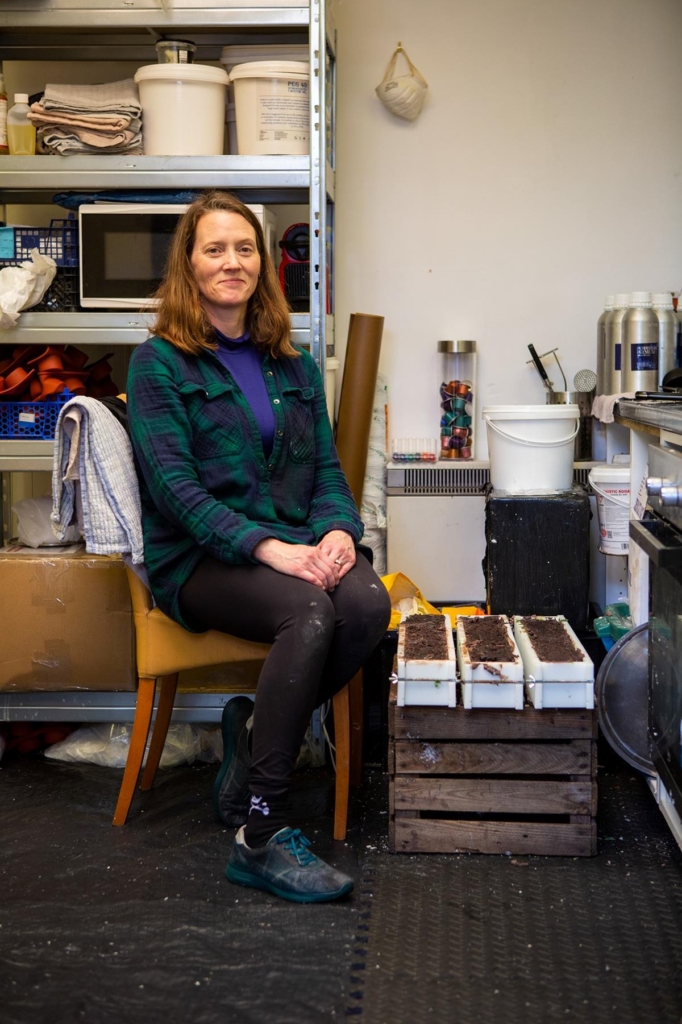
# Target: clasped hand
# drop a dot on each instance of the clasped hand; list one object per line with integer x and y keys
{"x": 323, "y": 564}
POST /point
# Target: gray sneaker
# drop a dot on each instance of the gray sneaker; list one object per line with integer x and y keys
{"x": 286, "y": 867}
{"x": 231, "y": 788}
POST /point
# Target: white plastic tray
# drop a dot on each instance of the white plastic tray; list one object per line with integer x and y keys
{"x": 555, "y": 684}
{"x": 490, "y": 684}
{"x": 427, "y": 682}
{"x": 427, "y": 669}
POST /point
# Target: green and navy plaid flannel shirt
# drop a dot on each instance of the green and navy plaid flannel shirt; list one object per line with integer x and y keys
{"x": 205, "y": 483}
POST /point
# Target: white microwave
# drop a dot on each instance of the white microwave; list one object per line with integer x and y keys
{"x": 123, "y": 249}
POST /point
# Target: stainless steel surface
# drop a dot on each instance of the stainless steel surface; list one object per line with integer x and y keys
{"x": 585, "y": 381}
{"x": 622, "y": 698}
{"x": 582, "y": 449}
{"x": 318, "y": 194}
{"x": 654, "y": 484}
{"x": 456, "y": 347}
{"x": 92, "y": 706}
{"x": 666, "y": 465}
{"x": 117, "y": 329}
{"x": 658, "y": 413}
{"x": 613, "y": 333}
{"x": 147, "y": 13}
{"x": 668, "y": 329}
{"x": 639, "y": 361}
{"x": 52, "y": 173}
{"x": 671, "y": 495}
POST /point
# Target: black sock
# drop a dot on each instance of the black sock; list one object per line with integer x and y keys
{"x": 264, "y": 820}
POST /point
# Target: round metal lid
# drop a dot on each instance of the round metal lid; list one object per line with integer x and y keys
{"x": 456, "y": 346}
{"x": 622, "y": 698}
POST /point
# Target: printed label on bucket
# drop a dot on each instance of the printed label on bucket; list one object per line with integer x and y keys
{"x": 644, "y": 357}
{"x": 284, "y": 115}
{"x": 613, "y": 520}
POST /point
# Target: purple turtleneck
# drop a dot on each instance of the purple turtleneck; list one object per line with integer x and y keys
{"x": 241, "y": 357}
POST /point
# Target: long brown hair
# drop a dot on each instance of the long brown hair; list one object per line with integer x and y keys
{"x": 180, "y": 315}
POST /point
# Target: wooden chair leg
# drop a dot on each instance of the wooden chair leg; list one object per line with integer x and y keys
{"x": 341, "y": 705}
{"x": 143, "y": 716}
{"x": 169, "y": 685}
{"x": 355, "y": 689}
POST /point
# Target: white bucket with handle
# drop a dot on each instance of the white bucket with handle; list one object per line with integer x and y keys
{"x": 611, "y": 484}
{"x": 531, "y": 447}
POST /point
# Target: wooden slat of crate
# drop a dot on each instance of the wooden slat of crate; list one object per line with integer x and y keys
{"x": 424, "y": 835}
{"x": 573, "y": 757}
{"x": 494, "y": 796}
{"x": 423, "y": 723}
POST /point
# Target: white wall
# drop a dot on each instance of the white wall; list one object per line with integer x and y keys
{"x": 544, "y": 172}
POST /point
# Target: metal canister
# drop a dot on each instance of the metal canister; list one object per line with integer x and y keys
{"x": 639, "y": 370}
{"x": 613, "y": 344}
{"x": 601, "y": 343}
{"x": 583, "y": 440}
{"x": 668, "y": 332}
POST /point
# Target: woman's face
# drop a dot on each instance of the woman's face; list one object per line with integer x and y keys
{"x": 225, "y": 260}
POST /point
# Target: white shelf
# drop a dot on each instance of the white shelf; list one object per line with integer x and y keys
{"x": 157, "y": 14}
{"x": 176, "y": 172}
{"x": 114, "y": 329}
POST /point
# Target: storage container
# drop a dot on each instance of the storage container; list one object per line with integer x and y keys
{"x": 531, "y": 447}
{"x": 183, "y": 109}
{"x": 555, "y": 684}
{"x": 489, "y": 684}
{"x": 427, "y": 681}
{"x": 611, "y": 484}
{"x": 272, "y": 107}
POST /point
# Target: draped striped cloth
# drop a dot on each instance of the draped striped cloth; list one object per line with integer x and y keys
{"x": 94, "y": 482}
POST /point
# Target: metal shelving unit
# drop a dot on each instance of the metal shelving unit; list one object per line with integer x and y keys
{"x": 126, "y": 30}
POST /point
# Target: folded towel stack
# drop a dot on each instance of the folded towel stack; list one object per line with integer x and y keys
{"x": 89, "y": 118}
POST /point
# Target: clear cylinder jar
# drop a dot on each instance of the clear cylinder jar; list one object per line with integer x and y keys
{"x": 457, "y": 399}
{"x": 175, "y": 51}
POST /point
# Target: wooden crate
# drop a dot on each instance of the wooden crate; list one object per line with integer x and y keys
{"x": 492, "y": 781}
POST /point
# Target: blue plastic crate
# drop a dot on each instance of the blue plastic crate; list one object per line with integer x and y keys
{"x": 60, "y": 241}
{"x": 31, "y": 421}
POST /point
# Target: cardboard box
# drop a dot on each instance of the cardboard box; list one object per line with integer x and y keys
{"x": 66, "y": 621}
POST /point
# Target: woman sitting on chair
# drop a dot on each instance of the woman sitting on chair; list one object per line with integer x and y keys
{"x": 249, "y": 523}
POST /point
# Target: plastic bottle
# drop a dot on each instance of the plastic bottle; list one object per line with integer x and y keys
{"x": 668, "y": 331}
{"x": 21, "y": 134}
{"x": 613, "y": 347}
{"x": 601, "y": 344}
{"x": 639, "y": 370}
{"x": 4, "y": 148}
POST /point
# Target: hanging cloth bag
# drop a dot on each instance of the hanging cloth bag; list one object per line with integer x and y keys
{"x": 403, "y": 95}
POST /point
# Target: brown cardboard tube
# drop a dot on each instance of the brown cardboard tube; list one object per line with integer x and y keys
{"x": 357, "y": 397}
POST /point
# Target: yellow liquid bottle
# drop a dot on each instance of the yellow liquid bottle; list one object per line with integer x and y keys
{"x": 21, "y": 134}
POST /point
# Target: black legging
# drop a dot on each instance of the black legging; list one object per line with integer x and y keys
{"x": 319, "y": 639}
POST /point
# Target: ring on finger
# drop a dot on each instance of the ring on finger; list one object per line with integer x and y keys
{"x": 338, "y": 561}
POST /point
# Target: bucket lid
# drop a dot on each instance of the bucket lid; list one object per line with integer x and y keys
{"x": 271, "y": 69}
{"x": 531, "y": 412}
{"x": 610, "y": 474}
{"x": 182, "y": 73}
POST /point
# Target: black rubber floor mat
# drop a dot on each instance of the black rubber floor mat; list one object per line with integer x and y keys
{"x": 477, "y": 939}
{"x": 138, "y": 925}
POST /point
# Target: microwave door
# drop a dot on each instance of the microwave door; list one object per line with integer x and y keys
{"x": 123, "y": 257}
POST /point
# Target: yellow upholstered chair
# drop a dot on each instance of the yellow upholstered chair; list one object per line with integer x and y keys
{"x": 164, "y": 649}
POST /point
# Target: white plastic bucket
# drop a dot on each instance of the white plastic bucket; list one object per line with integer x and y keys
{"x": 183, "y": 109}
{"x": 273, "y": 107}
{"x": 611, "y": 484}
{"x": 531, "y": 447}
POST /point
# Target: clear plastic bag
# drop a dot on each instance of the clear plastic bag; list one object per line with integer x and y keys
{"x": 24, "y": 286}
{"x": 107, "y": 745}
{"x": 35, "y": 529}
